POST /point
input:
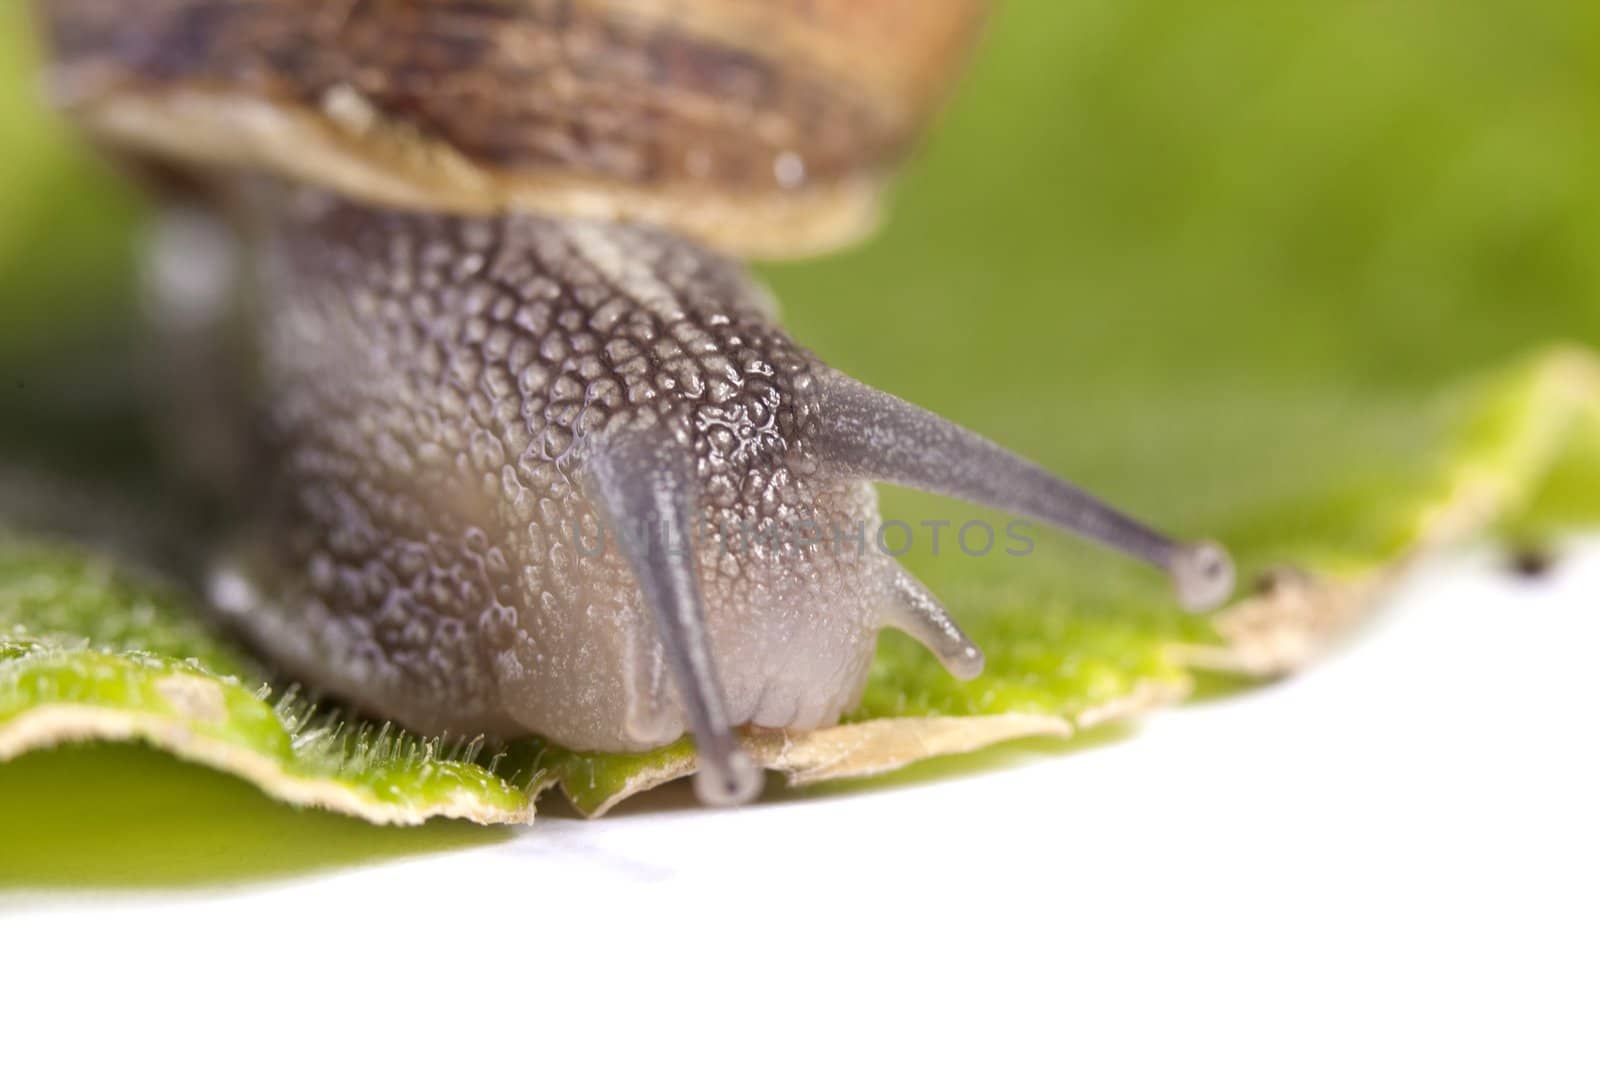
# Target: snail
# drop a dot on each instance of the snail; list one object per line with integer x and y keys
{"x": 530, "y": 453}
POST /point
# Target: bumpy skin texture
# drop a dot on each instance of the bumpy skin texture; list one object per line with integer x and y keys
{"x": 431, "y": 390}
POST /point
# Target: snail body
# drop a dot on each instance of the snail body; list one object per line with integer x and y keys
{"x": 533, "y": 455}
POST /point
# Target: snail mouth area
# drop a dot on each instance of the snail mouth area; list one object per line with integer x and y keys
{"x": 793, "y": 653}
{"x": 795, "y": 671}
{"x": 791, "y": 633}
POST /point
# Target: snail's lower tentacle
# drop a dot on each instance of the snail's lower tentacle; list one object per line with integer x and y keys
{"x": 910, "y": 607}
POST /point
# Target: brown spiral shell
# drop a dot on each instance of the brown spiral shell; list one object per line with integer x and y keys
{"x": 762, "y": 127}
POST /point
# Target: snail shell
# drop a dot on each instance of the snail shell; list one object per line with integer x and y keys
{"x": 760, "y": 129}
{"x": 532, "y": 455}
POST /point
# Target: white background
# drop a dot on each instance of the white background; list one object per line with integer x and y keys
{"x": 1391, "y": 857}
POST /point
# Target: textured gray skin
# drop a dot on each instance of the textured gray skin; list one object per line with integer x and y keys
{"x": 431, "y": 393}
{"x": 476, "y": 433}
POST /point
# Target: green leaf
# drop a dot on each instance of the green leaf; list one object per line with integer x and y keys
{"x": 89, "y": 651}
{"x": 1185, "y": 256}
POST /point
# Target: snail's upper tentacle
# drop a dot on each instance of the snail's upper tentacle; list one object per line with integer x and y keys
{"x": 882, "y": 438}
